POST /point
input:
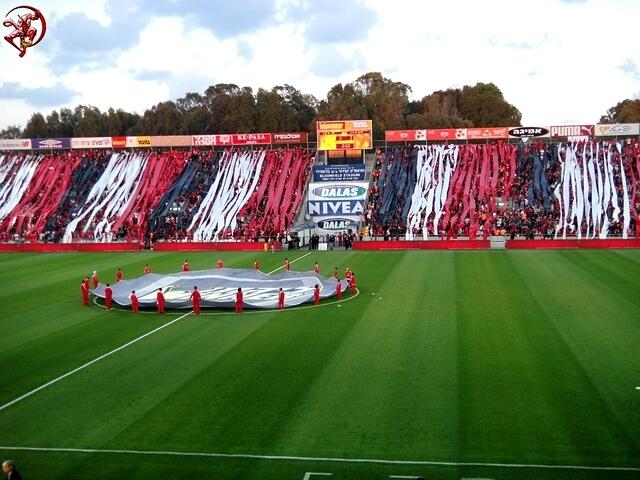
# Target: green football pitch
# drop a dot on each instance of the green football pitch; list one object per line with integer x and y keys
{"x": 446, "y": 365}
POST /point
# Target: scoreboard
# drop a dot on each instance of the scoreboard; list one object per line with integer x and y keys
{"x": 345, "y": 135}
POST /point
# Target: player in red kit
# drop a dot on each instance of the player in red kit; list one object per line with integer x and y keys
{"x": 195, "y": 299}
{"x": 316, "y": 268}
{"x": 119, "y": 275}
{"x": 287, "y": 265}
{"x": 239, "y": 301}
{"x": 352, "y": 283}
{"x": 147, "y": 269}
{"x": 316, "y": 295}
{"x": 256, "y": 265}
{"x": 108, "y": 297}
{"x": 134, "y": 302}
{"x": 338, "y": 289}
{"x": 219, "y": 264}
{"x": 85, "y": 293}
{"x": 185, "y": 266}
{"x": 95, "y": 279}
{"x": 347, "y": 273}
{"x": 281, "y": 299}
{"x": 160, "y": 301}
{"x": 335, "y": 272}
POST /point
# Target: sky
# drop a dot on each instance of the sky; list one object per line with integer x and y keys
{"x": 559, "y": 61}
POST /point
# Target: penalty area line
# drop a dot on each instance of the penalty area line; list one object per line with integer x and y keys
{"x": 91, "y": 362}
{"x": 377, "y": 461}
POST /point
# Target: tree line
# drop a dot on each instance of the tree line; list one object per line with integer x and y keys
{"x": 228, "y": 108}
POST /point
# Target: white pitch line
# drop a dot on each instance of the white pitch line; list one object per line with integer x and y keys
{"x": 323, "y": 459}
{"x": 292, "y": 261}
{"x": 95, "y": 360}
{"x": 108, "y": 354}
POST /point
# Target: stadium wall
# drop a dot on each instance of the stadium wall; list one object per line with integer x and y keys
{"x": 573, "y": 244}
{"x": 69, "y": 247}
{"x": 422, "y": 245}
{"x": 210, "y": 246}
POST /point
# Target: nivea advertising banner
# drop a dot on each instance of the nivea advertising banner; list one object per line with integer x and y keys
{"x": 337, "y": 206}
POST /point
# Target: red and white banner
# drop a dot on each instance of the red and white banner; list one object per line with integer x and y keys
{"x": 572, "y": 131}
{"x": 292, "y": 138}
{"x": 405, "y": 135}
{"x": 92, "y": 142}
{"x": 617, "y": 129}
{"x": 15, "y": 144}
{"x": 119, "y": 142}
{"x": 251, "y": 139}
{"x": 443, "y": 134}
{"x": 489, "y": 133}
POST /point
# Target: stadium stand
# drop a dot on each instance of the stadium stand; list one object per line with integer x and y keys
{"x": 546, "y": 190}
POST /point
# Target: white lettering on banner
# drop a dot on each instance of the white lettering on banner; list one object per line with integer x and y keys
{"x": 572, "y": 130}
{"x": 329, "y": 208}
{"x": 338, "y": 190}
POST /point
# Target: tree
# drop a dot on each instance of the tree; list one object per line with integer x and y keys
{"x": 342, "y": 103}
{"x": 11, "y": 132}
{"x": 36, "y": 127}
{"x": 163, "y": 119}
{"x": 230, "y": 108}
{"x": 485, "y": 106}
{"x": 90, "y": 123}
{"x": 385, "y": 101}
{"x": 626, "y": 111}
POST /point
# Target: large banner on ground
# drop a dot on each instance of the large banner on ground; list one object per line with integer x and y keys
{"x": 218, "y": 288}
{"x": 353, "y": 172}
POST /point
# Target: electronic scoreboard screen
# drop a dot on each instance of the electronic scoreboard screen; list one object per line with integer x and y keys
{"x": 344, "y": 135}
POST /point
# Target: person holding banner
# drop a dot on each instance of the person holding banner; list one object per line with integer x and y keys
{"x": 256, "y": 265}
{"x": 186, "y": 266}
{"x": 147, "y": 269}
{"x": 160, "y": 301}
{"x": 287, "y": 265}
{"x": 335, "y": 272}
{"x": 316, "y": 268}
{"x": 281, "y": 299}
{"x": 316, "y": 295}
{"x": 338, "y": 289}
{"x": 85, "y": 294}
{"x": 95, "y": 279}
{"x": 195, "y": 299}
{"x": 119, "y": 275}
{"x": 108, "y": 297}
{"x": 219, "y": 264}
{"x": 239, "y": 300}
{"x": 134, "y": 302}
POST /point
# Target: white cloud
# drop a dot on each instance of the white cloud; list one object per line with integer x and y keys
{"x": 429, "y": 45}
